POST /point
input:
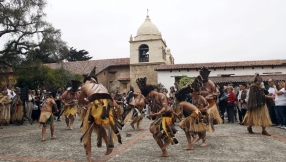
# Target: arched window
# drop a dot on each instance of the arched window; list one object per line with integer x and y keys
{"x": 143, "y": 53}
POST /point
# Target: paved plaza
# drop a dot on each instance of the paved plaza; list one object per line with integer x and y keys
{"x": 230, "y": 142}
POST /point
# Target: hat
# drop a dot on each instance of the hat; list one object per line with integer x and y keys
{"x": 204, "y": 72}
{"x": 75, "y": 85}
{"x": 145, "y": 89}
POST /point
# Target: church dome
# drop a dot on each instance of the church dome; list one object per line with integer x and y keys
{"x": 147, "y": 28}
{"x": 147, "y": 31}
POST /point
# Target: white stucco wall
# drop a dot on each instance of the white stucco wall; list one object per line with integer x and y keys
{"x": 167, "y": 78}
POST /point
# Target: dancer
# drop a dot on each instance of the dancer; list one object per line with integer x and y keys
{"x": 100, "y": 116}
{"x": 136, "y": 107}
{"x": 209, "y": 91}
{"x": 193, "y": 123}
{"x": 46, "y": 116}
{"x": 70, "y": 103}
{"x": 257, "y": 112}
{"x": 162, "y": 128}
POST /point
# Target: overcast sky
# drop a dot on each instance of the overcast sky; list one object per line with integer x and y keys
{"x": 196, "y": 31}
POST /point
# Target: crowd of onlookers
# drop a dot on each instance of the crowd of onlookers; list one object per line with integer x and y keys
{"x": 231, "y": 101}
{"x": 11, "y": 103}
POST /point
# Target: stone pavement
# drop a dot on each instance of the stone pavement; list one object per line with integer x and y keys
{"x": 230, "y": 142}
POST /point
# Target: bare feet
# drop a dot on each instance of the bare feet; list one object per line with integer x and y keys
{"x": 43, "y": 140}
{"x": 203, "y": 144}
{"x": 189, "y": 148}
{"x": 53, "y": 137}
{"x": 108, "y": 151}
{"x": 71, "y": 128}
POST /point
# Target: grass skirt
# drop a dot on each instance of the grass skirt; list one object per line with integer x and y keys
{"x": 191, "y": 124}
{"x": 129, "y": 117}
{"x": 46, "y": 118}
{"x": 214, "y": 114}
{"x": 82, "y": 112}
{"x": 257, "y": 117}
{"x": 18, "y": 113}
{"x": 69, "y": 110}
{"x": 165, "y": 125}
{"x": 95, "y": 110}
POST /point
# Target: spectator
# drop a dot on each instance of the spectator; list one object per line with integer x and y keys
{"x": 56, "y": 95}
{"x": 280, "y": 105}
{"x": 11, "y": 93}
{"x": 270, "y": 101}
{"x": 230, "y": 104}
{"x": 242, "y": 101}
{"x": 29, "y": 105}
{"x": 222, "y": 101}
{"x": 36, "y": 111}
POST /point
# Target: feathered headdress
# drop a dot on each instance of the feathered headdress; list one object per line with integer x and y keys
{"x": 91, "y": 76}
{"x": 181, "y": 94}
{"x": 257, "y": 77}
{"x": 197, "y": 84}
{"x": 144, "y": 88}
{"x": 204, "y": 72}
{"x": 75, "y": 85}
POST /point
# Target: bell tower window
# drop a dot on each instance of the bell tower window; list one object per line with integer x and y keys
{"x": 143, "y": 53}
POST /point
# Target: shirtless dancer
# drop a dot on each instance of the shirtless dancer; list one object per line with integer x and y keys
{"x": 209, "y": 91}
{"x": 47, "y": 117}
{"x": 70, "y": 103}
{"x": 202, "y": 104}
{"x": 136, "y": 106}
{"x": 162, "y": 128}
{"x": 99, "y": 116}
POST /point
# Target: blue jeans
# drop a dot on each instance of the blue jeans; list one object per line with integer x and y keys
{"x": 280, "y": 112}
{"x": 272, "y": 114}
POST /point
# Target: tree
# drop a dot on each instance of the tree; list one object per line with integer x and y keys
{"x": 24, "y": 27}
{"x": 46, "y": 78}
{"x": 75, "y": 55}
{"x": 185, "y": 81}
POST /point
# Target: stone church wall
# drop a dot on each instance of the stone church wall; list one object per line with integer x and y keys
{"x": 138, "y": 71}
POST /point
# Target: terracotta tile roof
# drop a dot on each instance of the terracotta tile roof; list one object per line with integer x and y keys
{"x": 85, "y": 67}
{"x": 245, "y": 78}
{"x": 221, "y": 64}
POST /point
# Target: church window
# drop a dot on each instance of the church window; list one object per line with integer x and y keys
{"x": 143, "y": 53}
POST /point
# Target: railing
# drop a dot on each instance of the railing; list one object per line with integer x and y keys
{"x": 144, "y": 59}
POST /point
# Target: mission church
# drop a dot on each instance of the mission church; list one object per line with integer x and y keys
{"x": 150, "y": 57}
